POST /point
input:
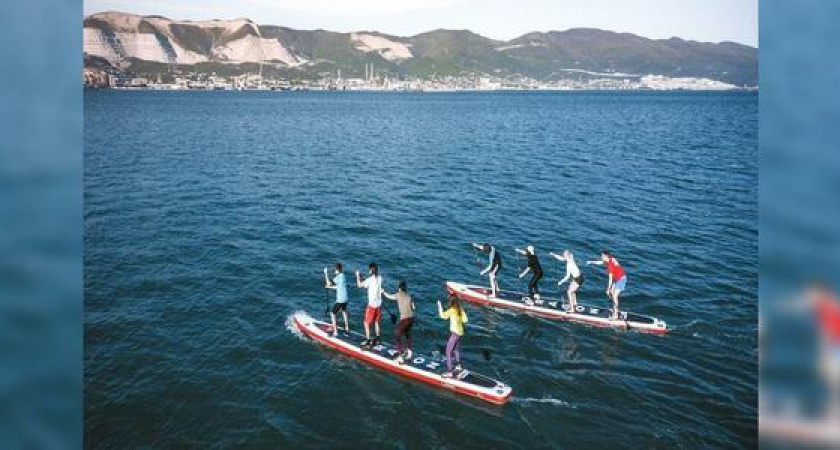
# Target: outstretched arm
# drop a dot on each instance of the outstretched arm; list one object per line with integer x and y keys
{"x": 389, "y": 296}
{"x": 519, "y": 250}
{"x": 559, "y": 257}
{"x": 477, "y": 247}
{"x": 527, "y": 269}
{"x": 596, "y": 262}
{"x": 565, "y": 279}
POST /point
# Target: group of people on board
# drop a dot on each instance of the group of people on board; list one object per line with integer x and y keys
{"x": 616, "y": 275}
{"x": 405, "y": 304}
{"x": 372, "y": 283}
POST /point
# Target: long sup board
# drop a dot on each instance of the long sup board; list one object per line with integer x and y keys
{"x": 422, "y": 368}
{"x": 553, "y": 308}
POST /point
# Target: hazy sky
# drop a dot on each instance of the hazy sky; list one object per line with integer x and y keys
{"x": 702, "y": 20}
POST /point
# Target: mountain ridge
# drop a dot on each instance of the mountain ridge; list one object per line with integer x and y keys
{"x": 131, "y": 41}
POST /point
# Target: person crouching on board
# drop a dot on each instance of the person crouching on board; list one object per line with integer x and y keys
{"x": 572, "y": 272}
{"x": 493, "y": 266}
{"x": 373, "y": 312}
{"x": 339, "y": 283}
{"x": 537, "y": 273}
{"x": 616, "y": 278}
{"x": 406, "y": 306}
{"x": 457, "y": 318}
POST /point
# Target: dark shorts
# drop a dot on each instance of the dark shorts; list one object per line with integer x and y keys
{"x": 404, "y": 328}
{"x": 339, "y": 307}
{"x": 578, "y": 280}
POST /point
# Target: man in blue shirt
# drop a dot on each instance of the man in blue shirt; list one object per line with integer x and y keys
{"x": 340, "y": 285}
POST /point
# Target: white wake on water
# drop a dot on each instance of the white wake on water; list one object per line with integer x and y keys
{"x": 548, "y": 400}
{"x": 290, "y": 324}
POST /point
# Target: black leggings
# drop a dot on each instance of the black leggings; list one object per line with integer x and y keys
{"x": 532, "y": 285}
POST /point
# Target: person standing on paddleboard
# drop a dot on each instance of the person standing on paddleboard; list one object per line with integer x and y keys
{"x": 616, "y": 278}
{"x": 572, "y": 272}
{"x": 537, "y": 273}
{"x": 457, "y": 318}
{"x": 373, "y": 313}
{"x": 339, "y": 283}
{"x": 403, "y": 330}
{"x": 827, "y": 308}
{"x": 493, "y": 266}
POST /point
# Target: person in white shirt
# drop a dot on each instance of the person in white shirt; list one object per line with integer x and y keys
{"x": 572, "y": 272}
{"x": 373, "y": 284}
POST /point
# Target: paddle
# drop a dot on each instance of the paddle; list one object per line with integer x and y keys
{"x": 393, "y": 317}
{"x": 475, "y": 254}
{"x": 559, "y": 270}
{"x": 327, "y": 310}
{"x": 612, "y": 308}
{"x": 523, "y": 263}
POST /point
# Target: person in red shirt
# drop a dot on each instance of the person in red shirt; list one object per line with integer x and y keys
{"x": 826, "y": 307}
{"x": 617, "y": 278}
{"x": 828, "y": 316}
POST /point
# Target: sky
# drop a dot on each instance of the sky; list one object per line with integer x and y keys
{"x": 700, "y": 20}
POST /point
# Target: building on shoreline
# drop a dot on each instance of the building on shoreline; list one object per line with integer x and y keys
{"x": 374, "y": 81}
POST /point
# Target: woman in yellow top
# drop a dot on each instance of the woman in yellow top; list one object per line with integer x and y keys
{"x": 457, "y": 318}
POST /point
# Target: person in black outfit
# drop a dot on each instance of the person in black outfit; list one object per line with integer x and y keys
{"x": 536, "y": 270}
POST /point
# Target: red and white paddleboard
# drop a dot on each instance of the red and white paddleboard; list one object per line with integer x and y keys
{"x": 419, "y": 367}
{"x": 552, "y": 308}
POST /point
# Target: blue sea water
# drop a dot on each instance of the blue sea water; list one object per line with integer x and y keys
{"x": 209, "y": 217}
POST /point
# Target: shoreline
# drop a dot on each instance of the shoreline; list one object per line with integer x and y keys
{"x": 167, "y": 88}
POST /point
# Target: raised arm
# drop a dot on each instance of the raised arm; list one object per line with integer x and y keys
{"x": 359, "y": 282}
{"x": 327, "y": 281}
{"x": 521, "y": 251}
{"x": 477, "y": 247}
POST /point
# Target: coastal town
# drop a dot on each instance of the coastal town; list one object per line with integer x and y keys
{"x": 129, "y": 51}
{"x": 376, "y": 82}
